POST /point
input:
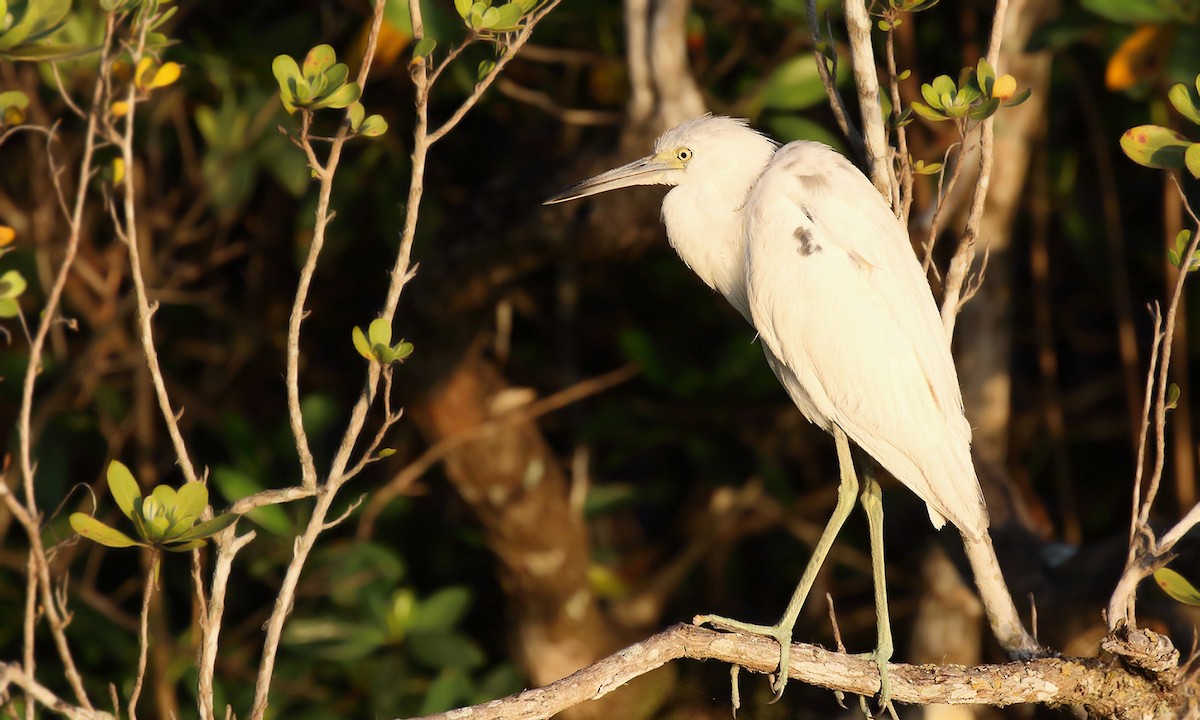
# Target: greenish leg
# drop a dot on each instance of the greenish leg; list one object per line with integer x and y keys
{"x": 872, "y": 502}
{"x": 782, "y": 631}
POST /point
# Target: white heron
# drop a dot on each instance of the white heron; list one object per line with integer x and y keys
{"x": 800, "y": 242}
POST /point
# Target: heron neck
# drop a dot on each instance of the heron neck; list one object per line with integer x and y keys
{"x": 704, "y": 226}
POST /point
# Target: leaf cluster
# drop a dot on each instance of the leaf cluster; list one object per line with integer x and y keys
{"x": 167, "y": 518}
{"x": 1160, "y": 147}
{"x": 977, "y": 95}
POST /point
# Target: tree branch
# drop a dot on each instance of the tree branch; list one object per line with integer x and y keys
{"x": 1104, "y": 690}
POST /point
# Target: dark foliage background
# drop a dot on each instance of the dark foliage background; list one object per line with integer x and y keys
{"x": 406, "y": 613}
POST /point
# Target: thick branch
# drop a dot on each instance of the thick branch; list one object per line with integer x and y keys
{"x": 1105, "y": 691}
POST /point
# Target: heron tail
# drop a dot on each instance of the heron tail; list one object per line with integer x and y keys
{"x": 997, "y": 602}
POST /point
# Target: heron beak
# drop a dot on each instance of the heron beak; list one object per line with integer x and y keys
{"x": 650, "y": 170}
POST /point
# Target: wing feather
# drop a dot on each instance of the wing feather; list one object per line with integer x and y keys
{"x": 851, "y": 328}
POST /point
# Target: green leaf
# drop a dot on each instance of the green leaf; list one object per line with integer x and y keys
{"x": 355, "y": 114}
{"x": 441, "y": 650}
{"x": 986, "y": 76}
{"x": 92, "y": 529}
{"x": 380, "y": 332}
{"x": 794, "y": 85}
{"x": 1179, "y": 95}
{"x": 441, "y": 611}
{"x": 1177, "y": 586}
{"x": 9, "y": 308}
{"x": 13, "y": 98}
{"x": 485, "y": 67}
{"x": 385, "y": 453}
{"x": 185, "y": 547}
{"x": 318, "y": 60}
{"x": 1171, "y": 401}
{"x": 373, "y": 126}
{"x": 208, "y": 528}
{"x": 1191, "y": 159}
{"x": 463, "y": 7}
{"x": 340, "y": 98}
{"x": 12, "y": 284}
{"x": 508, "y": 16}
{"x": 401, "y": 350}
{"x": 447, "y": 691}
{"x": 927, "y": 112}
{"x": 1173, "y": 258}
{"x": 1018, "y": 98}
{"x": 985, "y": 110}
{"x": 1140, "y": 11}
{"x": 360, "y": 343}
{"x": 1155, "y": 146}
{"x": 124, "y": 487}
{"x": 191, "y": 500}
{"x": 336, "y": 76}
{"x": 287, "y": 74}
{"x": 424, "y": 47}
{"x": 166, "y": 497}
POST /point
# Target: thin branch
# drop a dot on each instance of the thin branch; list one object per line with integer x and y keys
{"x": 210, "y": 624}
{"x": 849, "y": 131}
{"x": 964, "y": 255}
{"x": 128, "y": 229}
{"x": 1106, "y": 691}
{"x": 510, "y": 52}
{"x": 12, "y": 674}
{"x": 144, "y": 633}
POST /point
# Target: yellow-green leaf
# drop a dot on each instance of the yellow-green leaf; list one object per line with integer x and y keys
{"x": 191, "y": 500}
{"x": 360, "y": 343}
{"x": 1177, "y": 586}
{"x": 123, "y": 486}
{"x": 92, "y": 529}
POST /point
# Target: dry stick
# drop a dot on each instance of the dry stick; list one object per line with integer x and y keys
{"x": 444, "y": 447}
{"x": 845, "y": 124}
{"x": 145, "y": 311}
{"x": 944, "y": 188}
{"x": 31, "y": 583}
{"x": 964, "y": 255}
{"x": 144, "y": 633}
{"x": 29, "y": 515}
{"x": 905, "y": 192}
{"x": 211, "y": 623}
{"x": 866, "y": 82}
{"x": 11, "y": 674}
{"x": 1105, "y": 692}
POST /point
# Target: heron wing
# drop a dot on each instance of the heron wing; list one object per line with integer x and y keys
{"x": 851, "y": 329}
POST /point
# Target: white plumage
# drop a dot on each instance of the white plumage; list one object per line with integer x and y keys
{"x": 801, "y": 243}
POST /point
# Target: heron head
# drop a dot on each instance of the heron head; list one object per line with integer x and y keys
{"x": 711, "y": 147}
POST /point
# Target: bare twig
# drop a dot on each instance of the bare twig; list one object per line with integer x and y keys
{"x": 210, "y": 624}
{"x": 144, "y": 633}
{"x": 127, "y": 228}
{"x": 12, "y": 674}
{"x": 829, "y": 80}
{"x": 547, "y": 104}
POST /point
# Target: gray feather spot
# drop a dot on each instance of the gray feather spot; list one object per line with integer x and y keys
{"x": 808, "y": 245}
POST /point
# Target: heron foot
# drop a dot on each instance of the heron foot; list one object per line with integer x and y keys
{"x": 778, "y": 632}
{"x": 880, "y": 656}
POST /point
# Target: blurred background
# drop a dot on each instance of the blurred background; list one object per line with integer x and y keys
{"x": 593, "y": 447}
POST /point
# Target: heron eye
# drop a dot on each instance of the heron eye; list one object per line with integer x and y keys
{"x": 683, "y": 154}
